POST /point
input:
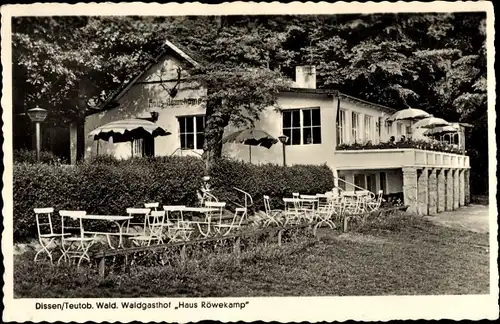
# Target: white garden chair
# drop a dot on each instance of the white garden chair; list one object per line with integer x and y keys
{"x": 46, "y": 235}
{"x": 156, "y": 224}
{"x": 273, "y": 216}
{"x": 350, "y": 203}
{"x": 240, "y": 214}
{"x": 152, "y": 205}
{"x": 138, "y": 213}
{"x": 324, "y": 215}
{"x": 177, "y": 228}
{"x": 309, "y": 204}
{"x": 374, "y": 205}
{"x": 215, "y": 215}
{"x": 323, "y": 199}
{"x": 292, "y": 212}
{"x": 74, "y": 246}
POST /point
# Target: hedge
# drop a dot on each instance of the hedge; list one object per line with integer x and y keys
{"x": 27, "y": 156}
{"x": 108, "y": 186}
{"x": 268, "y": 179}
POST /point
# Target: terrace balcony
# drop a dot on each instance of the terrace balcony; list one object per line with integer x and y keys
{"x": 416, "y": 154}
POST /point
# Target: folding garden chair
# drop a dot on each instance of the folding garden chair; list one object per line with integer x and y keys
{"x": 309, "y": 205}
{"x": 240, "y": 213}
{"x": 323, "y": 199}
{"x": 177, "y": 228}
{"x": 292, "y": 212}
{"x": 273, "y": 216}
{"x": 324, "y": 215}
{"x": 374, "y": 205}
{"x": 174, "y": 213}
{"x": 152, "y": 205}
{"x": 74, "y": 246}
{"x": 46, "y": 235}
{"x": 156, "y": 224}
{"x": 363, "y": 197}
{"x": 350, "y": 203}
{"x": 138, "y": 213}
{"x": 219, "y": 206}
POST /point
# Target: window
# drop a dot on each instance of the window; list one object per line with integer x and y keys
{"x": 355, "y": 127}
{"x": 302, "y": 126}
{"x": 137, "y": 147}
{"x": 365, "y": 181}
{"x": 192, "y": 132}
{"x": 369, "y": 128}
{"x": 144, "y": 146}
{"x": 312, "y": 126}
{"x": 341, "y": 127}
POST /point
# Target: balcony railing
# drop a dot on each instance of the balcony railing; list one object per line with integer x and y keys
{"x": 397, "y": 158}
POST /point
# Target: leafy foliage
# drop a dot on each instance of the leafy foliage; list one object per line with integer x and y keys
{"x": 435, "y": 62}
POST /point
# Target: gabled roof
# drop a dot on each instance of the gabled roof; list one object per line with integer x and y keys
{"x": 108, "y": 103}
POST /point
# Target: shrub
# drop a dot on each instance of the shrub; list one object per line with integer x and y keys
{"x": 101, "y": 188}
{"x": 26, "y": 156}
{"x": 104, "y": 185}
{"x": 268, "y": 179}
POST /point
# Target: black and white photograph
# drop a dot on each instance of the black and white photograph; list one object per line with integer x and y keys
{"x": 280, "y": 162}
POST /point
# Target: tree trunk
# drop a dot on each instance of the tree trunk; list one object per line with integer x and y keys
{"x": 214, "y": 131}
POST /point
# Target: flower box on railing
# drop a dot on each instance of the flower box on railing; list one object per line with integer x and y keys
{"x": 416, "y": 144}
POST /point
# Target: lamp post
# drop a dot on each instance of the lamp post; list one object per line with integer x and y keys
{"x": 283, "y": 139}
{"x": 37, "y": 116}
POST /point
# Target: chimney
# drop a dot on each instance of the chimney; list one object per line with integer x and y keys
{"x": 305, "y": 76}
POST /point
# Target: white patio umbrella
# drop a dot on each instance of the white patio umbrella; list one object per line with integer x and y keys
{"x": 431, "y": 122}
{"x": 251, "y": 137}
{"x": 409, "y": 114}
{"x": 127, "y": 130}
{"x": 440, "y": 130}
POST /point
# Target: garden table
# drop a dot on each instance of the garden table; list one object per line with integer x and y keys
{"x": 182, "y": 228}
{"x": 294, "y": 211}
{"x": 120, "y": 221}
{"x": 207, "y": 211}
{"x": 79, "y": 245}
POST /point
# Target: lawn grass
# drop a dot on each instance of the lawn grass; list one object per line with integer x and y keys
{"x": 402, "y": 255}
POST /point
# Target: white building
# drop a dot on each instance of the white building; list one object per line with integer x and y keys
{"x": 320, "y": 125}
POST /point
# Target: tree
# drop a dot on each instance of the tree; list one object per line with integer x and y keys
{"x": 435, "y": 62}
{"x": 237, "y": 75}
{"x": 69, "y": 65}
